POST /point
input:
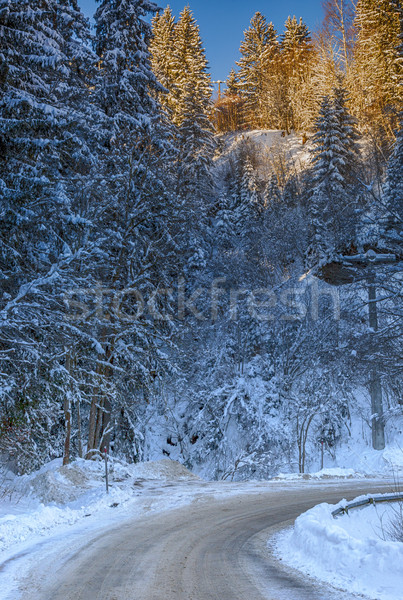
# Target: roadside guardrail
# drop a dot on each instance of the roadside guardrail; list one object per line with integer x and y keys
{"x": 343, "y": 510}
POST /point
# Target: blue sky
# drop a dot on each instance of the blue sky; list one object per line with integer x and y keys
{"x": 222, "y": 23}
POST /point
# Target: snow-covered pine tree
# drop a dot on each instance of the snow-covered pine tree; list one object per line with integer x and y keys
{"x": 232, "y": 83}
{"x": 296, "y": 36}
{"x": 272, "y": 192}
{"x": 392, "y": 220}
{"x": 195, "y": 134}
{"x": 334, "y": 155}
{"x": 196, "y": 139}
{"x": 180, "y": 64}
{"x": 349, "y": 132}
{"x": 134, "y": 220}
{"x": 250, "y": 198}
{"x": 163, "y": 64}
{"x": 48, "y": 155}
{"x": 229, "y": 107}
{"x": 258, "y": 50}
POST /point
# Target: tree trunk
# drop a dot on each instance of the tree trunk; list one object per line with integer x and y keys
{"x": 79, "y": 430}
{"x": 100, "y": 410}
{"x": 378, "y": 428}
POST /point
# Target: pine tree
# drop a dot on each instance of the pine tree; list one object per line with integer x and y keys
{"x": 392, "y": 220}
{"x": 296, "y": 36}
{"x": 334, "y": 157}
{"x": 134, "y": 218}
{"x": 328, "y": 150}
{"x": 232, "y": 84}
{"x": 296, "y": 61}
{"x": 258, "y": 50}
{"x": 191, "y": 114}
{"x": 180, "y": 64}
{"x": 272, "y": 193}
{"x": 49, "y": 150}
{"x": 229, "y": 107}
{"x": 349, "y": 133}
{"x": 162, "y": 60}
{"x": 377, "y": 69}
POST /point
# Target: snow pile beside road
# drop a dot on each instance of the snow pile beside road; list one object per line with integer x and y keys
{"x": 63, "y": 495}
{"x": 163, "y": 470}
{"x": 333, "y": 473}
{"x": 365, "y": 459}
{"x": 347, "y": 552}
{"x": 59, "y": 484}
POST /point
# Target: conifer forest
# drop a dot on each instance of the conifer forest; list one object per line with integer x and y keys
{"x": 210, "y": 275}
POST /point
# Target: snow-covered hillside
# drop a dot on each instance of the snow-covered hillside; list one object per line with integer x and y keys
{"x": 272, "y": 142}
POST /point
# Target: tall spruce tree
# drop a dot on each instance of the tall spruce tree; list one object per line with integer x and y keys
{"x": 334, "y": 155}
{"x": 134, "y": 219}
{"x": 180, "y": 64}
{"x": 258, "y": 50}
{"x": 162, "y": 60}
{"x": 49, "y": 153}
{"x": 296, "y": 64}
{"x": 195, "y": 137}
{"x": 377, "y": 68}
{"x": 232, "y": 83}
{"x": 392, "y": 219}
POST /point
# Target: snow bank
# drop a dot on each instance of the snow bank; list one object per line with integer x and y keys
{"x": 347, "y": 552}
{"x": 365, "y": 459}
{"x": 63, "y": 495}
{"x": 165, "y": 469}
{"x": 59, "y": 484}
{"x": 332, "y": 473}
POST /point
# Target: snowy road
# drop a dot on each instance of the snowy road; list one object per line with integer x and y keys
{"x": 214, "y": 548}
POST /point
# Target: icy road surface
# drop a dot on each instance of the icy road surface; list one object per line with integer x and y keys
{"x": 214, "y": 547}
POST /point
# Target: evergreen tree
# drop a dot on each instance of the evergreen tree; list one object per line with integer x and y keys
{"x": 49, "y": 151}
{"x": 135, "y": 217}
{"x": 377, "y": 68}
{"x": 348, "y": 131}
{"x": 229, "y": 107}
{"x": 191, "y": 114}
{"x": 162, "y": 60}
{"x": 392, "y": 221}
{"x": 232, "y": 84}
{"x": 272, "y": 193}
{"x": 296, "y": 60}
{"x": 180, "y": 64}
{"x": 258, "y": 50}
{"x": 296, "y": 36}
{"x": 333, "y": 195}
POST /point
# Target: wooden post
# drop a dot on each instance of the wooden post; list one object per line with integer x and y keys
{"x": 321, "y": 457}
{"x": 106, "y": 470}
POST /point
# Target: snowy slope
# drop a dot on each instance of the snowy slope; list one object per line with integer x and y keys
{"x": 272, "y": 145}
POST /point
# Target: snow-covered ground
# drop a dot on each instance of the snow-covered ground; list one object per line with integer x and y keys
{"x": 351, "y": 552}
{"x": 272, "y": 145}
{"x": 38, "y": 512}
{"x": 33, "y": 505}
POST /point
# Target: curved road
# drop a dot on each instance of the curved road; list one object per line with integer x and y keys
{"x": 213, "y": 549}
